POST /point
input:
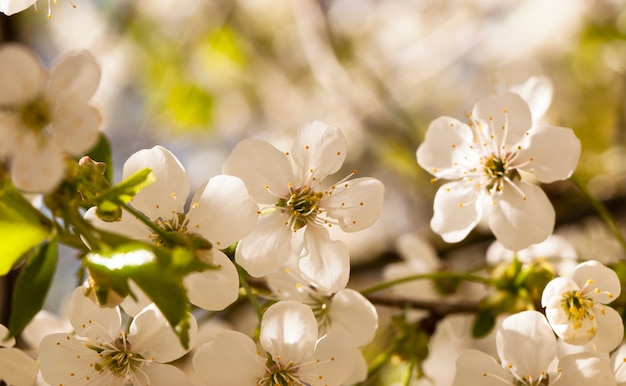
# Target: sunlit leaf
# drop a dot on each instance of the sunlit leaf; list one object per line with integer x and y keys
{"x": 124, "y": 191}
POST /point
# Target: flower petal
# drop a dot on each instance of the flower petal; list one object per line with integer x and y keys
{"x": 602, "y": 283}
{"x": 230, "y": 359}
{"x": 446, "y": 145}
{"x": 89, "y": 320}
{"x": 319, "y": 150}
{"x": 74, "y": 77}
{"x": 222, "y": 211}
{"x": 521, "y": 217}
{"x": 508, "y": 116}
{"x": 457, "y": 210}
{"x": 570, "y": 331}
{"x": 537, "y": 92}
{"x": 610, "y": 328}
{"x": 523, "y": 333}
{"x": 37, "y": 168}
{"x": 325, "y": 262}
{"x": 214, "y": 289}
{"x": 586, "y": 368}
{"x": 331, "y": 363}
{"x": 267, "y": 247}
{"x": 128, "y": 225}
{"x": 17, "y": 368}
{"x": 548, "y": 162}
{"x": 288, "y": 331}
{"x": 76, "y": 128}
{"x": 263, "y": 169}
{"x": 165, "y": 375}
{"x": 21, "y": 74}
{"x": 65, "y": 360}
{"x": 152, "y": 336}
{"x": 352, "y": 312}
{"x": 474, "y": 367}
{"x": 356, "y": 204}
{"x": 166, "y": 196}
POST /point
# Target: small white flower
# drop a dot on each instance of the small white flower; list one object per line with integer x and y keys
{"x": 527, "y": 350}
{"x": 221, "y": 211}
{"x": 295, "y": 355}
{"x": 101, "y": 352}
{"x": 294, "y": 194}
{"x": 45, "y": 116}
{"x": 575, "y": 306}
{"x": 486, "y": 158}
{"x": 16, "y": 367}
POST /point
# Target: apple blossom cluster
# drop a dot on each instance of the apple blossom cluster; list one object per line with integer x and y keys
{"x": 161, "y": 265}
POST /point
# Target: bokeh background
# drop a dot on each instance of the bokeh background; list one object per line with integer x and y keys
{"x": 199, "y": 76}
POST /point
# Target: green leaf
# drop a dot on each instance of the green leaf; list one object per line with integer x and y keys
{"x": 32, "y": 286}
{"x": 124, "y": 191}
{"x": 483, "y": 324}
{"x": 20, "y": 227}
{"x": 102, "y": 153}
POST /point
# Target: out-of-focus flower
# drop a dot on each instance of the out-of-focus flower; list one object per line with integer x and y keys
{"x": 292, "y": 189}
{"x": 527, "y": 350}
{"x": 101, "y": 352}
{"x": 16, "y": 367}
{"x": 294, "y": 356}
{"x": 45, "y": 116}
{"x": 575, "y": 306}
{"x": 221, "y": 212}
{"x": 9, "y": 7}
{"x": 485, "y": 158}
{"x": 618, "y": 361}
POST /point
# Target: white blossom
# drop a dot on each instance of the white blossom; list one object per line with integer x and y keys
{"x": 485, "y": 158}
{"x": 294, "y": 354}
{"x": 575, "y": 306}
{"x": 16, "y": 367}
{"x": 10, "y": 7}
{"x": 294, "y": 193}
{"x": 221, "y": 211}
{"x": 45, "y": 116}
{"x": 102, "y": 352}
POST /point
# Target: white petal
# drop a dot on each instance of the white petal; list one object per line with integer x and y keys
{"x": 229, "y": 359}
{"x": 21, "y": 74}
{"x": 152, "y": 336}
{"x": 585, "y": 369}
{"x": 37, "y": 167}
{"x": 165, "y": 375}
{"x": 76, "y": 128}
{"x": 519, "y": 220}
{"x": 537, "y": 92}
{"x": 610, "y": 328}
{"x": 555, "y": 288}
{"x": 166, "y": 196}
{"x": 507, "y": 111}
{"x": 89, "y": 320}
{"x": 325, "y": 262}
{"x": 457, "y": 210}
{"x": 331, "y": 363}
{"x": 352, "y": 312}
{"x": 267, "y": 247}
{"x": 42, "y": 324}
{"x": 523, "y": 333}
{"x": 288, "y": 331}
{"x": 319, "y": 150}
{"x": 565, "y": 329}
{"x": 65, "y": 360}
{"x": 222, "y": 211}
{"x": 359, "y": 372}
{"x": 474, "y": 367}
{"x": 447, "y": 144}
{"x": 618, "y": 359}
{"x": 131, "y": 306}
{"x": 17, "y": 368}
{"x": 287, "y": 283}
{"x": 74, "y": 77}
{"x": 9, "y": 129}
{"x": 356, "y": 204}
{"x": 549, "y": 162}
{"x": 128, "y": 225}
{"x": 214, "y": 289}
{"x": 594, "y": 275}
{"x": 263, "y": 169}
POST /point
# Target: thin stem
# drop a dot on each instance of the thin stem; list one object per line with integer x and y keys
{"x": 249, "y": 291}
{"x": 431, "y": 275}
{"x": 147, "y": 222}
{"x": 601, "y": 209}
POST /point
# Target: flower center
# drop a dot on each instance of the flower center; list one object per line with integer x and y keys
{"x": 301, "y": 206}
{"x": 576, "y": 307}
{"x": 178, "y": 223}
{"x": 36, "y": 114}
{"x": 279, "y": 375}
{"x": 496, "y": 170}
{"x": 118, "y": 358}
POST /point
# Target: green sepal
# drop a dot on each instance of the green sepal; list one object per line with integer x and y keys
{"x": 101, "y": 152}
{"x": 124, "y": 191}
{"x": 483, "y": 324}
{"x": 21, "y": 226}
{"x": 32, "y": 285}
